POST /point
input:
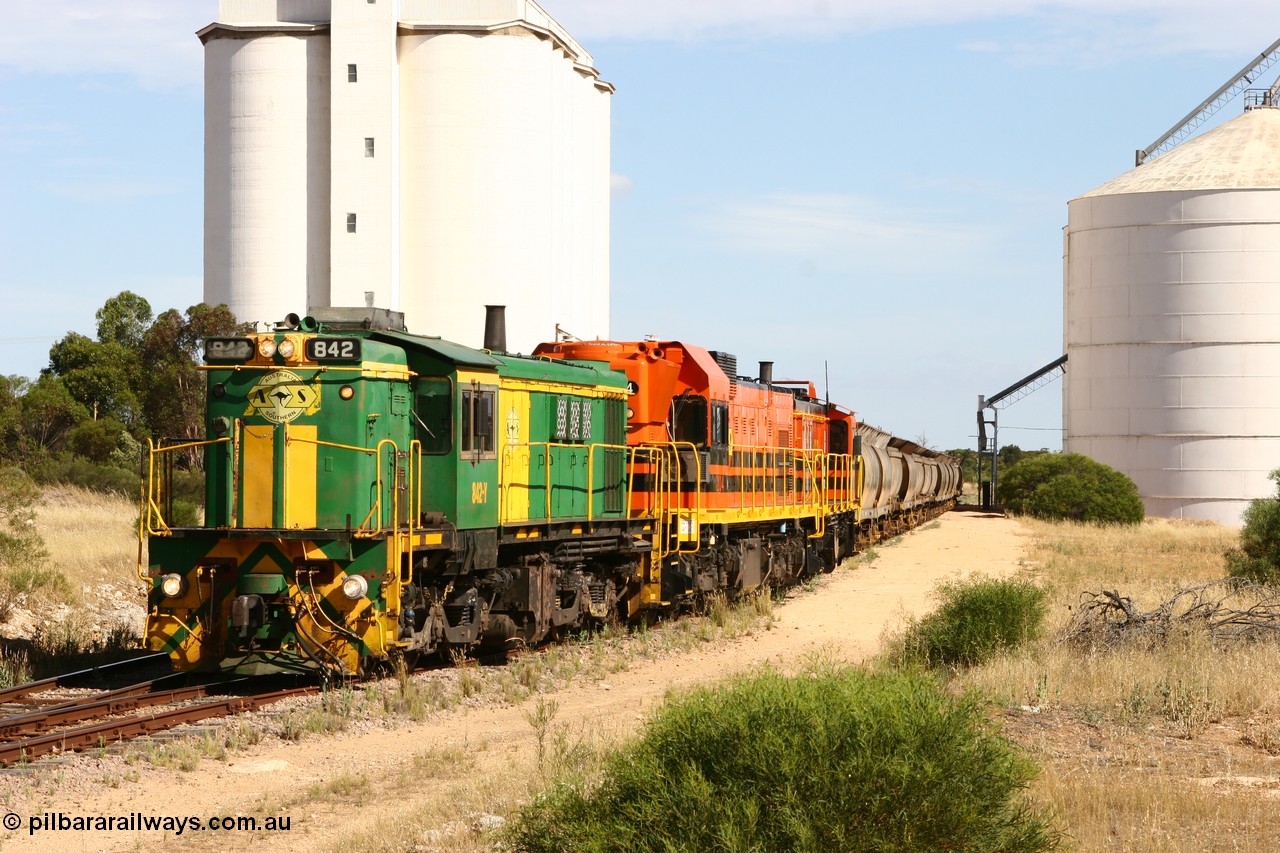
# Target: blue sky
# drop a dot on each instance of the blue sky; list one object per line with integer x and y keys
{"x": 877, "y": 188}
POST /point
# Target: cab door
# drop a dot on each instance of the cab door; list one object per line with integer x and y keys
{"x": 478, "y": 496}
{"x": 435, "y": 413}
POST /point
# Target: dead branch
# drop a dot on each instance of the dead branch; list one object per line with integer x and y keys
{"x": 1230, "y": 610}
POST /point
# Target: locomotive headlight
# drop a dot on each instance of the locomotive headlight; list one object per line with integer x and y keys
{"x": 173, "y": 585}
{"x": 346, "y": 392}
{"x": 355, "y": 587}
{"x": 287, "y": 348}
{"x": 266, "y": 348}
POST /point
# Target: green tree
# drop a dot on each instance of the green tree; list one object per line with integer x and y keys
{"x": 48, "y": 415}
{"x": 1070, "y": 486}
{"x": 1258, "y": 557}
{"x": 170, "y": 355}
{"x": 81, "y": 421}
{"x": 97, "y": 440}
{"x": 11, "y": 390}
{"x": 124, "y": 319}
{"x": 102, "y": 377}
{"x": 1010, "y": 455}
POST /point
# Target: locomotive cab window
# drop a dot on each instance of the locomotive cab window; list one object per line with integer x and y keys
{"x": 477, "y": 421}
{"x": 720, "y": 424}
{"x": 689, "y": 419}
{"x": 838, "y": 437}
{"x": 433, "y": 415}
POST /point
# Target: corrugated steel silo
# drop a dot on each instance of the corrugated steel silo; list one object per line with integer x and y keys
{"x": 1172, "y": 322}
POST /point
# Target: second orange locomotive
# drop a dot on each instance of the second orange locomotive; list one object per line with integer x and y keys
{"x": 761, "y": 481}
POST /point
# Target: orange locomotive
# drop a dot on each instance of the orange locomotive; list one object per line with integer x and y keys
{"x": 756, "y": 482}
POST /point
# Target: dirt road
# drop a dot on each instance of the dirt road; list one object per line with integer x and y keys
{"x": 432, "y": 782}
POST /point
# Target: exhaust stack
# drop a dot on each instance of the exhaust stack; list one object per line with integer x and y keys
{"x": 766, "y": 373}
{"x": 495, "y": 328}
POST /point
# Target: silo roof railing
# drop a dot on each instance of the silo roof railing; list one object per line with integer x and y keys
{"x": 1188, "y": 124}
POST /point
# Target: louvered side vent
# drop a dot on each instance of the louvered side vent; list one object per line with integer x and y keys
{"x": 729, "y": 364}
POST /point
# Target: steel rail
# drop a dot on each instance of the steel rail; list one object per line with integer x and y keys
{"x": 132, "y": 689}
{"x": 9, "y": 694}
{"x": 118, "y": 731}
{"x": 93, "y": 707}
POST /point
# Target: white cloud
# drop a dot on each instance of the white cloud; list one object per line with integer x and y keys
{"x": 1073, "y": 28}
{"x": 620, "y": 186}
{"x": 838, "y": 232}
{"x": 152, "y": 41}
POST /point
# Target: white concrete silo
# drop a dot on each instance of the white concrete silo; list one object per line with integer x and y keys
{"x": 1172, "y": 322}
{"x": 439, "y": 154}
{"x": 266, "y": 170}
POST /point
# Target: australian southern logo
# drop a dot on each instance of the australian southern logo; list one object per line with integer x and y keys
{"x": 282, "y": 396}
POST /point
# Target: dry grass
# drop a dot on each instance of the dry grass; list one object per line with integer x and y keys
{"x": 457, "y": 797}
{"x": 65, "y": 605}
{"x": 1158, "y": 808}
{"x": 454, "y": 797}
{"x": 1170, "y": 748}
{"x": 90, "y": 537}
{"x": 1147, "y": 561}
{"x": 1187, "y": 683}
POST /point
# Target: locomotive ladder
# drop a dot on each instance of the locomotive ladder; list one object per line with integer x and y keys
{"x": 675, "y": 519}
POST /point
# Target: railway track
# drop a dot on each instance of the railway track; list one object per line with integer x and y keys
{"x": 10, "y": 696}
{"x": 40, "y": 718}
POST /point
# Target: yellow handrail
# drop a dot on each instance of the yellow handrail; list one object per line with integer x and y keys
{"x": 414, "y": 489}
{"x": 760, "y": 486}
{"x": 507, "y": 482}
{"x": 670, "y": 483}
{"x": 150, "y": 511}
{"x": 377, "y": 510}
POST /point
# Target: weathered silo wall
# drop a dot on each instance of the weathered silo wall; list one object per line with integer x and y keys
{"x": 438, "y": 154}
{"x": 1172, "y": 322}
{"x": 266, "y": 190}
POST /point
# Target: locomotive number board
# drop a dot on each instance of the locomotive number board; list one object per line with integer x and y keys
{"x": 333, "y": 349}
{"x": 227, "y": 350}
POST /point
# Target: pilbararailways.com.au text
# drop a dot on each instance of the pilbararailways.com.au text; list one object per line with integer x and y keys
{"x": 138, "y": 822}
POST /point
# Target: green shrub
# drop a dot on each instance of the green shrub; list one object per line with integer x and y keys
{"x": 976, "y": 619}
{"x": 73, "y": 470}
{"x": 97, "y": 440}
{"x": 1070, "y": 486}
{"x": 834, "y": 760}
{"x": 67, "y": 468}
{"x": 1258, "y": 557}
{"x": 20, "y": 543}
{"x": 184, "y": 514}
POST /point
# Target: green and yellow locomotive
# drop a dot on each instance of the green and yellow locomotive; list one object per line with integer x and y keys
{"x": 355, "y": 509}
{"x": 372, "y": 494}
